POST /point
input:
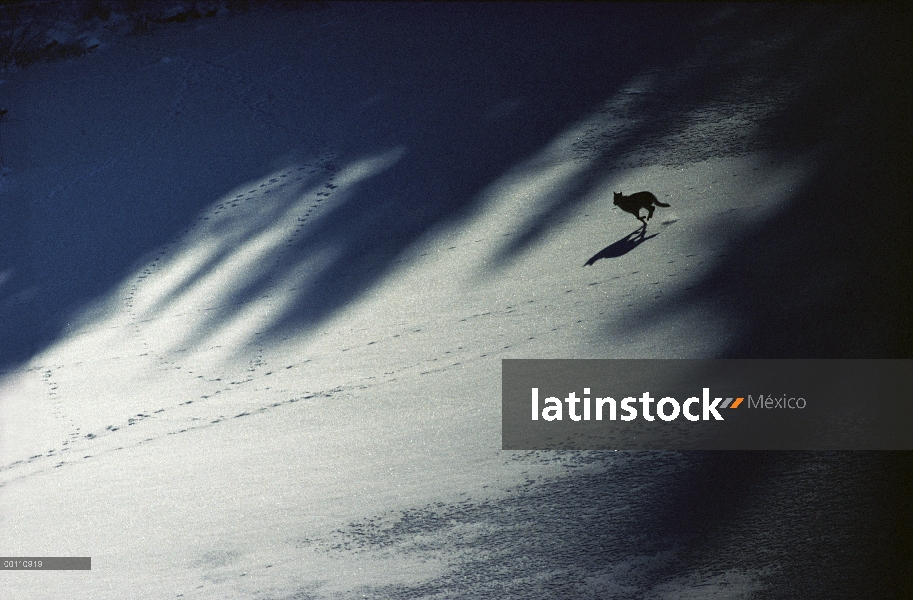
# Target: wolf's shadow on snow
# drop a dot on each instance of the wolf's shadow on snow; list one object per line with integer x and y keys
{"x": 622, "y": 246}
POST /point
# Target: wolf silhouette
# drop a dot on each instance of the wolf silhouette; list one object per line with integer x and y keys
{"x": 637, "y": 201}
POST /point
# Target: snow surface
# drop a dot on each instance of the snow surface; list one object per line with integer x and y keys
{"x": 259, "y": 272}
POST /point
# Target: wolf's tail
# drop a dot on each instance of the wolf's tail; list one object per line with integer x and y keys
{"x": 658, "y": 203}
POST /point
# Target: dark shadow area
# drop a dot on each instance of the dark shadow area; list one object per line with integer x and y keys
{"x": 779, "y": 81}
{"x": 830, "y": 275}
{"x": 438, "y": 80}
{"x": 422, "y": 77}
{"x": 667, "y": 524}
{"x": 622, "y": 246}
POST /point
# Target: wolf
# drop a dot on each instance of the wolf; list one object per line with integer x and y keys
{"x": 637, "y": 201}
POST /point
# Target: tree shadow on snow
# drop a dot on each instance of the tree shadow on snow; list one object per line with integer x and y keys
{"x": 660, "y": 524}
{"x": 814, "y": 280}
{"x": 467, "y": 92}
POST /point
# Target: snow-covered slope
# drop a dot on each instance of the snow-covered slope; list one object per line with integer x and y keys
{"x": 259, "y": 272}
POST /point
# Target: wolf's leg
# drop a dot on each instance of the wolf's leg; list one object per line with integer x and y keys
{"x": 650, "y": 210}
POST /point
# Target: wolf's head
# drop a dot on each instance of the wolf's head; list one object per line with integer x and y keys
{"x": 617, "y": 198}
